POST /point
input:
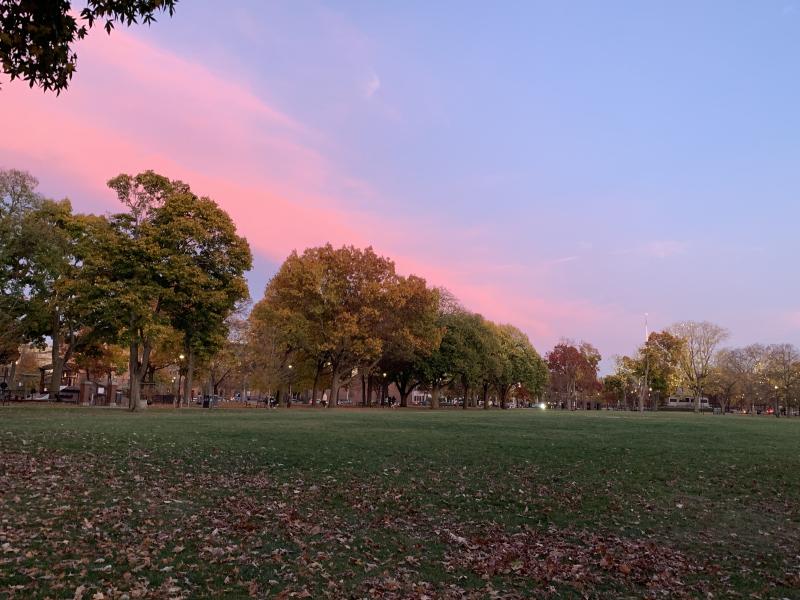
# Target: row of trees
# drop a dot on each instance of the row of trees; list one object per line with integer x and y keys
{"x": 162, "y": 284}
{"x": 689, "y": 356}
{"x": 332, "y": 317}
{"x": 161, "y": 277}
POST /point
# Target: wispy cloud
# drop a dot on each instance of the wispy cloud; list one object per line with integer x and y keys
{"x": 666, "y": 248}
{"x": 657, "y": 249}
{"x": 372, "y": 85}
{"x": 562, "y": 260}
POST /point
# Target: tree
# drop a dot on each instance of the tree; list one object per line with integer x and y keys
{"x": 628, "y": 373}
{"x": 517, "y": 364}
{"x": 122, "y": 279}
{"x": 573, "y": 371}
{"x": 742, "y": 372}
{"x": 410, "y": 333}
{"x": 37, "y": 37}
{"x": 54, "y": 262}
{"x": 467, "y": 344}
{"x": 783, "y": 370}
{"x": 39, "y": 256}
{"x": 725, "y": 378}
{"x": 437, "y": 370}
{"x": 329, "y": 305}
{"x": 204, "y": 270}
{"x": 614, "y": 389}
{"x": 700, "y": 340}
{"x": 268, "y": 349}
{"x": 655, "y": 366}
{"x": 172, "y": 261}
{"x": 18, "y": 198}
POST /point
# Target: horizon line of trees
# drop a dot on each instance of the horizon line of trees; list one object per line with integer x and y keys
{"x": 689, "y": 356}
{"x": 159, "y": 290}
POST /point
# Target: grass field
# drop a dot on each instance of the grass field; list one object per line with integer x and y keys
{"x": 396, "y": 504}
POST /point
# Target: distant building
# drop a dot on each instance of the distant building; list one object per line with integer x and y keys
{"x": 685, "y": 399}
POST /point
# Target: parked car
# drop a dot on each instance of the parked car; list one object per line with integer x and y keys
{"x": 68, "y": 394}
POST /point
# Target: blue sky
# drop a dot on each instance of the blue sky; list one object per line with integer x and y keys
{"x": 562, "y": 166}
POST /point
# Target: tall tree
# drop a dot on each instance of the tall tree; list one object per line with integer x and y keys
{"x": 270, "y": 349}
{"x": 410, "y": 333}
{"x": 18, "y": 198}
{"x": 204, "y": 270}
{"x": 330, "y": 304}
{"x": 172, "y": 261}
{"x": 573, "y": 371}
{"x": 466, "y": 345}
{"x": 655, "y": 367}
{"x": 700, "y": 341}
{"x": 39, "y": 256}
{"x": 517, "y": 363}
{"x": 437, "y": 370}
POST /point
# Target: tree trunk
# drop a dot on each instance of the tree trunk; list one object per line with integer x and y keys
{"x": 134, "y": 392}
{"x": 59, "y": 361}
{"x": 13, "y": 377}
{"x": 364, "y": 399}
{"x": 281, "y": 396}
{"x": 434, "y": 396}
{"x": 188, "y": 377}
{"x": 369, "y": 390}
{"x": 58, "y": 368}
{"x": 466, "y": 398}
{"x": 137, "y": 370}
{"x": 333, "y": 401}
{"x": 485, "y": 396}
{"x": 109, "y": 383}
{"x": 315, "y": 385}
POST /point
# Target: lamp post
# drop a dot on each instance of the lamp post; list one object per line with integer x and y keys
{"x": 777, "y": 403}
{"x": 180, "y": 376}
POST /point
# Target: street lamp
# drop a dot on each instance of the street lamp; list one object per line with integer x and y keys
{"x": 777, "y": 403}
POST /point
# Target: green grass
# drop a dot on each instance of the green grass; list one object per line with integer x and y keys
{"x": 396, "y": 504}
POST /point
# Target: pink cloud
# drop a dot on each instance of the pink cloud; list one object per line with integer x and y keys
{"x": 133, "y": 106}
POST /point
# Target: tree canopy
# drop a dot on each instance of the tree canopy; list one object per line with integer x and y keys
{"x": 37, "y": 37}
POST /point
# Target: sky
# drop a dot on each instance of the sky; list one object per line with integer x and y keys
{"x": 563, "y": 166}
